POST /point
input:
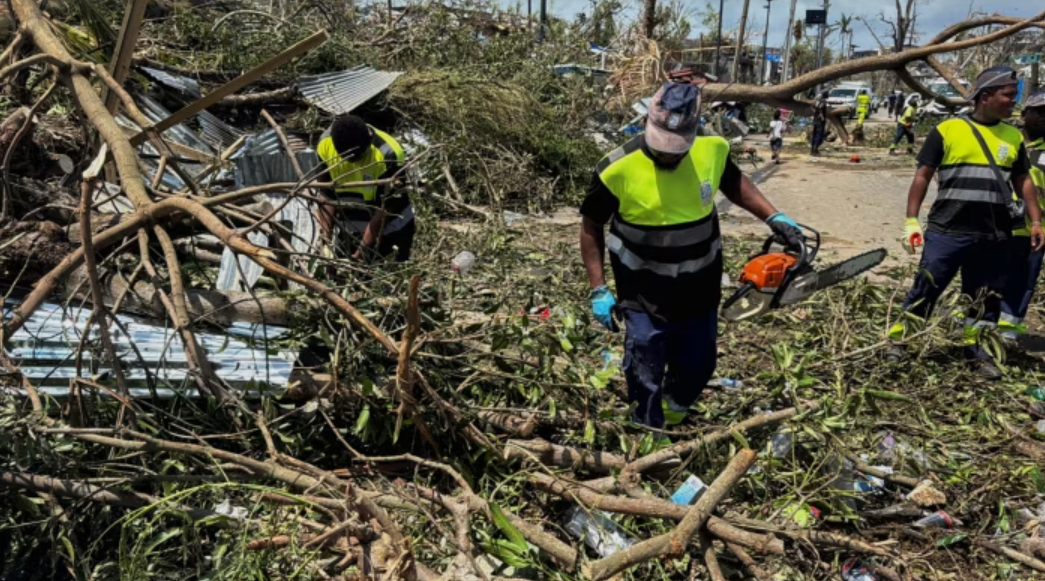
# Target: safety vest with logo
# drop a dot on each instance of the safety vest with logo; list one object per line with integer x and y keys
{"x": 381, "y": 160}
{"x": 1036, "y": 152}
{"x": 664, "y": 240}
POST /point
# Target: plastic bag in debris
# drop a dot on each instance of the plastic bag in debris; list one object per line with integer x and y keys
{"x": 226, "y": 508}
{"x": 597, "y": 531}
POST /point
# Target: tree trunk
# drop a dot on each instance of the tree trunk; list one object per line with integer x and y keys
{"x": 649, "y": 18}
{"x": 740, "y": 41}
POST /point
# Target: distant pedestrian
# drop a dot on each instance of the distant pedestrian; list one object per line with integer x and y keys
{"x": 819, "y": 124}
{"x": 890, "y": 103}
{"x": 776, "y": 135}
{"x": 899, "y": 107}
{"x": 905, "y": 127}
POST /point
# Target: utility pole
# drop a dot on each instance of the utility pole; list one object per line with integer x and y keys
{"x": 821, "y": 39}
{"x": 740, "y": 41}
{"x": 787, "y": 44}
{"x": 718, "y": 41}
{"x": 762, "y": 77}
{"x": 543, "y": 22}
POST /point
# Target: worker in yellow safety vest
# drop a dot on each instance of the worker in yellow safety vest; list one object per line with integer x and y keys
{"x": 371, "y": 220}
{"x": 657, "y": 193}
{"x": 863, "y": 107}
{"x": 972, "y": 219}
{"x": 1025, "y": 263}
{"x": 905, "y": 126}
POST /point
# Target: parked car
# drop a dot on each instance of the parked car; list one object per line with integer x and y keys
{"x": 845, "y": 95}
{"x": 944, "y": 89}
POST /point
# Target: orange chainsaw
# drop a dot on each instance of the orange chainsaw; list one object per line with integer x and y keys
{"x": 771, "y": 280}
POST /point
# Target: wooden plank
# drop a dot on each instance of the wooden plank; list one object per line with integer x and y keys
{"x": 236, "y": 84}
{"x": 120, "y": 66}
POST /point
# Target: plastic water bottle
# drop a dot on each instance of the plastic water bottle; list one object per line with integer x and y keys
{"x": 597, "y": 531}
{"x": 1037, "y": 392}
{"x": 462, "y": 263}
{"x": 937, "y": 519}
{"x": 690, "y": 491}
{"x": 726, "y": 383}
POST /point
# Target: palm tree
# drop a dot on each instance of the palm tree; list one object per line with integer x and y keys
{"x": 845, "y": 29}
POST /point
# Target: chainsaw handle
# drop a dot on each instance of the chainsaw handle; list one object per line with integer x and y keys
{"x": 806, "y": 254}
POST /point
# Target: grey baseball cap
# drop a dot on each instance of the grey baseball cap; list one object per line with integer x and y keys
{"x": 994, "y": 77}
{"x": 674, "y": 118}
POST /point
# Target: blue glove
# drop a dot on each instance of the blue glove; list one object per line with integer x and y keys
{"x": 602, "y": 303}
{"x": 781, "y": 217}
{"x": 786, "y": 231}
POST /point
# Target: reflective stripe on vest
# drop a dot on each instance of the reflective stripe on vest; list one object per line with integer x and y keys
{"x": 965, "y": 173}
{"x": 666, "y": 221}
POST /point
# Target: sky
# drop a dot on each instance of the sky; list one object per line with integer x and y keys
{"x": 932, "y": 15}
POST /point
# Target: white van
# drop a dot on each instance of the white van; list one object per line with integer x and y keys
{"x": 845, "y": 95}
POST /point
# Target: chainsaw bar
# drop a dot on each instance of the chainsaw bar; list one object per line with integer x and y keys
{"x": 804, "y": 286}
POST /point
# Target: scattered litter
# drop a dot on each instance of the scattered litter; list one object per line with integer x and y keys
{"x": 854, "y": 570}
{"x": 892, "y": 450}
{"x": 462, "y": 263}
{"x": 937, "y": 519}
{"x": 597, "y": 531}
{"x": 726, "y": 281}
{"x": 926, "y": 495}
{"x": 612, "y": 357}
{"x": 1040, "y": 427}
{"x": 691, "y": 490}
{"x": 854, "y": 159}
{"x": 782, "y": 444}
{"x": 1037, "y": 392}
{"x": 726, "y": 383}
{"x": 226, "y": 508}
{"x": 512, "y": 217}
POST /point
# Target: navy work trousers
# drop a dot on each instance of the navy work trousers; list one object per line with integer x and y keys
{"x": 676, "y": 357}
{"x": 1022, "y": 277}
{"x": 983, "y": 264}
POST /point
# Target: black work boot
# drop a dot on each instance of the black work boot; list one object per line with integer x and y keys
{"x": 986, "y": 369}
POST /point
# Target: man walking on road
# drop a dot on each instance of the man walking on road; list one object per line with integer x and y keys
{"x": 905, "y": 127}
{"x": 657, "y": 193}
{"x": 1025, "y": 263}
{"x": 972, "y": 219}
{"x": 819, "y": 124}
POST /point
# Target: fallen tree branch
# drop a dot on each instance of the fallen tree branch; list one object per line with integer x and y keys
{"x": 674, "y": 543}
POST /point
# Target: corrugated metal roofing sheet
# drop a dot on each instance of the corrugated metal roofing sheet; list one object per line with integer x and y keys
{"x": 219, "y": 134}
{"x": 184, "y": 85}
{"x": 45, "y": 349}
{"x": 342, "y": 91}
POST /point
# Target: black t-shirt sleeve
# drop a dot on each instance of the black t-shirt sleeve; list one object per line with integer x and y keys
{"x": 599, "y": 203}
{"x": 730, "y": 181}
{"x": 932, "y": 150}
{"x": 1022, "y": 165}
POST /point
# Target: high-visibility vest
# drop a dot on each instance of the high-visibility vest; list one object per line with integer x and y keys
{"x": 384, "y": 153}
{"x": 666, "y": 222}
{"x": 863, "y": 101}
{"x": 1036, "y": 151}
{"x": 965, "y": 173}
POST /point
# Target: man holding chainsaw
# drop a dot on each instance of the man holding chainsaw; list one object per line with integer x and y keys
{"x": 984, "y": 189}
{"x": 657, "y": 194}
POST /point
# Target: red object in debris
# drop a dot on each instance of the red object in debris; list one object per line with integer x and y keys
{"x": 854, "y": 159}
{"x": 545, "y": 313}
{"x": 815, "y": 512}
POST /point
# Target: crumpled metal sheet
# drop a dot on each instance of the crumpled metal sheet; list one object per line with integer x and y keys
{"x": 45, "y": 349}
{"x": 341, "y": 92}
{"x": 240, "y": 273}
{"x": 185, "y": 85}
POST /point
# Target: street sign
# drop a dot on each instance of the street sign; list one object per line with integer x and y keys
{"x": 773, "y": 58}
{"x": 816, "y": 17}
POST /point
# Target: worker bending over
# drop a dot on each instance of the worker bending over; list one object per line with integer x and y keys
{"x": 657, "y": 193}
{"x": 905, "y": 126}
{"x": 972, "y": 219}
{"x": 369, "y": 218}
{"x": 1025, "y": 262}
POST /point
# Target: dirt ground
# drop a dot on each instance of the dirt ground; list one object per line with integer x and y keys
{"x": 855, "y": 206}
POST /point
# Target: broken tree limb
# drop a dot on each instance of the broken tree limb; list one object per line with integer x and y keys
{"x": 236, "y": 84}
{"x": 674, "y": 543}
{"x": 561, "y": 456}
{"x": 217, "y": 307}
{"x": 284, "y": 96}
{"x": 1022, "y": 559}
{"x": 121, "y": 62}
